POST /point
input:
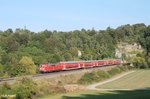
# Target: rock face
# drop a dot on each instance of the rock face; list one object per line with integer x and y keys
{"x": 73, "y": 87}
{"x": 128, "y": 49}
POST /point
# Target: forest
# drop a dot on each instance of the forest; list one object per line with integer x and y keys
{"x": 22, "y": 51}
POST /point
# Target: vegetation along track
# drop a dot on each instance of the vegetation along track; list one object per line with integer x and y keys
{"x": 93, "y": 86}
{"x": 55, "y": 74}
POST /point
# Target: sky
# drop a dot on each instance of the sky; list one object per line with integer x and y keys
{"x": 68, "y": 15}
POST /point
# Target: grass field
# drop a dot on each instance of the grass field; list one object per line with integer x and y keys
{"x": 138, "y": 79}
{"x": 135, "y": 94}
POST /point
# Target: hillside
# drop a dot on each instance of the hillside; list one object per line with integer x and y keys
{"x": 136, "y": 81}
{"x": 23, "y": 48}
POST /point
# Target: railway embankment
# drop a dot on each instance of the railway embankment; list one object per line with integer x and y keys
{"x": 28, "y": 87}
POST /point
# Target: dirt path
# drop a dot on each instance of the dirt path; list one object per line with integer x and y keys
{"x": 93, "y": 86}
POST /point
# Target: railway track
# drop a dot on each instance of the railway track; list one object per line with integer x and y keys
{"x": 53, "y": 74}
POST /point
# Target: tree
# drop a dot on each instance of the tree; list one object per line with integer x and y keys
{"x": 12, "y": 46}
{"x": 67, "y": 56}
{"x": 26, "y": 89}
{"x": 55, "y": 58}
{"x": 1, "y": 70}
{"x": 22, "y": 36}
{"x": 145, "y": 40}
{"x": 8, "y": 32}
{"x": 139, "y": 62}
{"x": 53, "y": 46}
{"x": 26, "y": 66}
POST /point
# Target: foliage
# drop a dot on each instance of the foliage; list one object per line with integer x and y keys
{"x": 100, "y": 75}
{"x": 115, "y": 71}
{"x": 6, "y": 89}
{"x": 1, "y": 71}
{"x": 139, "y": 62}
{"x": 26, "y": 89}
{"x": 25, "y": 67}
{"x": 53, "y": 46}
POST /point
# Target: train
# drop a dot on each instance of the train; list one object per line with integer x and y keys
{"x": 68, "y": 65}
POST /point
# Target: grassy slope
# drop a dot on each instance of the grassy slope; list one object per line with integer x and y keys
{"x": 135, "y": 94}
{"x": 136, "y": 80}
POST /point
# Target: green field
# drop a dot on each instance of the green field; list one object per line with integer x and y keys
{"x": 135, "y": 94}
{"x": 139, "y": 79}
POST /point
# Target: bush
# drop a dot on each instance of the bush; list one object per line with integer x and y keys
{"x": 6, "y": 89}
{"x": 26, "y": 89}
{"x": 95, "y": 76}
{"x": 114, "y": 71}
{"x": 87, "y": 78}
{"x": 45, "y": 87}
{"x": 100, "y": 75}
{"x": 139, "y": 62}
{"x": 123, "y": 68}
{"x": 1, "y": 70}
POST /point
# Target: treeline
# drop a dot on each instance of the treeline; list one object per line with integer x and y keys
{"x": 21, "y": 51}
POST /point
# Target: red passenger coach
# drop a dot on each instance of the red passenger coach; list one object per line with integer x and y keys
{"x": 110, "y": 62}
{"x": 77, "y": 65}
{"x": 70, "y": 65}
{"x": 117, "y": 61}
{"x": 102, "y": 62}
{"x": 88, "y": 64}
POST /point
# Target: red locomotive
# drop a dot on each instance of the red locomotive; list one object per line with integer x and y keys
{"x": 77, "y": 65}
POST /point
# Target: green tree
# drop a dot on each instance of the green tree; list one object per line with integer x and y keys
{"x": 26, "y": 89}
{"x": 67, "y": 56}
{"x": 1, "y": 70}
{"x": 139, "y": 62}
{"x": 26, "y": 66}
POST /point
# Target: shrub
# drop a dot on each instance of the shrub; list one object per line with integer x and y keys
{"x": 95, "y": 76}
{"x": 123, "y": 68}
{"x": 6, "y": 91}
{"x": 45, "y": 87}
{"x": 100, "y": 75}
{"x": 26, "y": 89}
{"x": 114, "y": 71}
{"x": 87, "y": 78}
{"x": 139, "y": 62}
